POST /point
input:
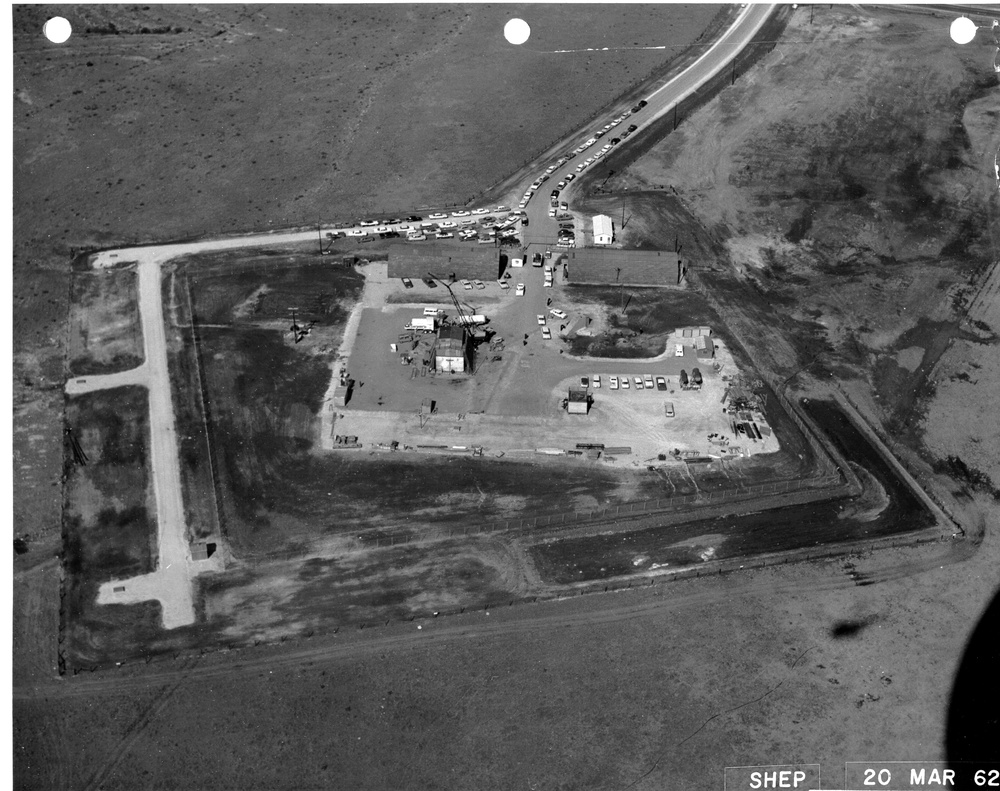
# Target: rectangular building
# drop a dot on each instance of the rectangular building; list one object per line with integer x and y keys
{"x": 604, "y": 232}
{"x": 451, "y": 350}
{"x": 605, "y": 266}
{"x": 461, "y": 261}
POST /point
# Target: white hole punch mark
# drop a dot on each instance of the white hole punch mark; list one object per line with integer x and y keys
{"x": 963, "y": 30}
{"x": 516, "y": 31}
{"x": 57, "y": 30}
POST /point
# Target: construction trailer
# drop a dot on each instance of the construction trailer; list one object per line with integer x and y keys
{"x": 704, "y": 347}
{"x": 342, "y": 392}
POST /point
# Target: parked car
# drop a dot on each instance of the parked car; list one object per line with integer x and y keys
{"x": 437, "y": 216}
{"x": 368, "y": 223}
{"x": 459, "y": 214}
{"x": 547, "y": 333}
{"x": 613, "y": 382}
{"x": 467, "y": 285}
{"x": 668, "y": 408}
{"x": 647, "y": 382}
{"x": 429, "y": 282}
{"x": 637, "y": 380}
{"x": 596, "y": 380}
{"x": 414, "y": 218}
{"x": 632, "y": 128}
{"x": 449, "y": 224}
{"x": 478, "y": 284}
{"x": 541, "y": 319}
{"x": 661, "y": 383}
{"x": 570, "y": 177}
{"x": 584, "y": 381}
{"x": 559, "y": 314}
{"x": 444, "y": 235}
{"x": 356, "y": 232}
{"x": 407, "y": 283}
{"x": 480, "y": 211}
{"x": 504, "y": 285}
{"x": 519, "y": 290}
{"x": 624, "y": 383}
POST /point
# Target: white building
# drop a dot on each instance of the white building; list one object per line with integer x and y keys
{"x": 603, "y": 229}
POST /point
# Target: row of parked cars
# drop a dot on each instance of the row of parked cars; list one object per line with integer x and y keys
{"x": 644, "y": 382}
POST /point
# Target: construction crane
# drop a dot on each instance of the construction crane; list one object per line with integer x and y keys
{"x": 462, "y": 316}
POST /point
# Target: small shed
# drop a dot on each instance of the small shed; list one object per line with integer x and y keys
{"x": 342, "y": 392}
{"x": 704, "y": 347}
{"x": 603, "y": 229}
{"x": 578, "y": 402}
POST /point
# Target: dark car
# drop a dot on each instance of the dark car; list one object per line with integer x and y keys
{"x": 632, "y": 128}
{"x": 570, "y": 155}
{"x": 414, "y": 218}
{"x": 642, "y": 103}
{"x": 567, "y": 225}
{"x": 615, "y": 141}
{"x": 524, "y": 221}
{"x": 393, "y": 221}
{"x": 599, "y": 134}
{"x": 429, "y": 282}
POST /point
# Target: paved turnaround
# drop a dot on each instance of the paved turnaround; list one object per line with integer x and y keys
{"x": 171, "y": 582}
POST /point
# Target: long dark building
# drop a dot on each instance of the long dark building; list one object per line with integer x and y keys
{"x": 603, "y": 266}
{"x": 463, "y": 261}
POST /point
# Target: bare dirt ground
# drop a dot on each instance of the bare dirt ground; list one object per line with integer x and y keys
{"x": 105, "y": 328}
{"x": 862, "y": 215}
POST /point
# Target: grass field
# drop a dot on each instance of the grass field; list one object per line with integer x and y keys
{"x": 108, "y": 522}
{"x": 105, "y": 331}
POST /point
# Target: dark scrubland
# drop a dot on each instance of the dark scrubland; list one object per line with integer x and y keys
{"x": 109, "y": 524}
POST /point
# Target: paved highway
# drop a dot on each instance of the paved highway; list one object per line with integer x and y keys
{"x": 543, "y": 228}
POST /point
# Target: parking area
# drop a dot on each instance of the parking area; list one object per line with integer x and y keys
{"x": 514, "y": 401}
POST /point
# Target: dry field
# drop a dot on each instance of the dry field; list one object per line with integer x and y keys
{"x": 858, "y": 204}
{"x": 820, "y": 662}
{"x": 166, "y": 122}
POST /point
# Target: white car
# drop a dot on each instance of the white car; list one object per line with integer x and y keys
{"x": 679, "y": 350}
{"x": 467, "y": 285}
{"x": 559, "y": 314}
{"x": 647, "y": 382}
{"x": 499, "y": 209}
{"x": 449, "y": 224}
{"x": 541, "y": 319}
{"x": 404, "y": 228}
{"x": 459, "y": 214}
{"x": 383, "y": 229}
{"x": 437, "y": 216}
{"x": 624, "y": 383}
{"x": 415, "y": 236}
{"x": 561, "y": 184}
{"x": 547, "y": 333}
{"x": 368, "y": 223}
{"x": 552, "y": 211}
{"x": 478, "y": 284}
{"x": 504, "y": 285}
{"x": 480, "y": 211}
{"x": 580, "y": 167}
{"x": 570, "y": 177}
{"x": 638, "y": 382}
{"x": 595, "y": 380}
{"x": 467, "y": 221}
{"x": 444, "y": 235}
{"x": 613, "y": 382}
{"x": 548, "y": 281}
{"x": 519, "y": 290}
{"x": 356, "y": 232}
